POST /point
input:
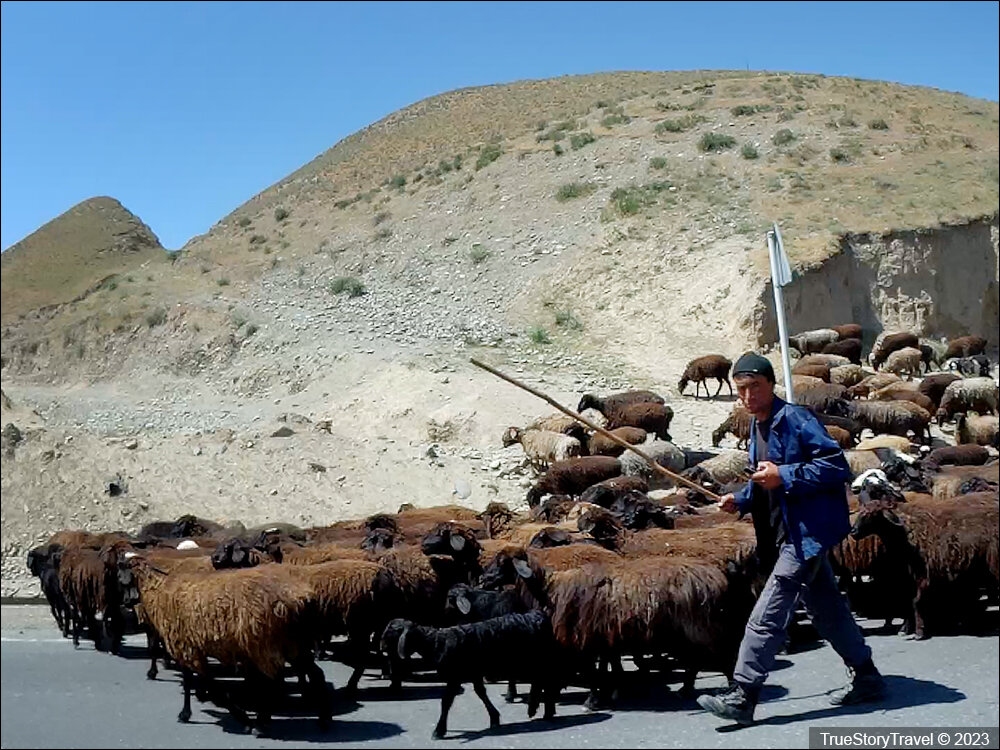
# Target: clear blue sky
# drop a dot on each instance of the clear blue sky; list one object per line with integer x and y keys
{"x": 183, "y": 111}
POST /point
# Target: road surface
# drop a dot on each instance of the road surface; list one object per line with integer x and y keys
{"x": 53, "y": 696}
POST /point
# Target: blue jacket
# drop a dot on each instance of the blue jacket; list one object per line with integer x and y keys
{"x": 814, "y": 472}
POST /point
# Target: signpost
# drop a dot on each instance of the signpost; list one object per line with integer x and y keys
{"x": 781, "y": 274}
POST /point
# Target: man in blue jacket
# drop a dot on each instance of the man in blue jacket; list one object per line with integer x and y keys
{"x": 798, "y": 500}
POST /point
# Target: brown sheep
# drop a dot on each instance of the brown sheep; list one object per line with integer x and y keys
{"x": 653, "y": 418}
{"x": 847, "y": 375}
{"x": 81, "y": 579}
{"x": 850, "y": 348}
{"x": 965, "y": 346}
{"x": 573, "y": 476}
{"x": 950, "y": 549}
{"x": 872, "y": 383}
{"x": 933, "y": 385}
{"x": 956, "y": 455}
{"x": 848, "y": 331}
{"x": 914, "y": 397}
{"x": 703, "y": 368}
{"x": 599, "y": 445}
{"x": 737, "y": 423}
{"x": 889, "y": 343}
{"x": 815, "y": 371}
{"x": 842, "y": 436}
{"x": 612, "y": 404}
{"x": 257, "y": 619}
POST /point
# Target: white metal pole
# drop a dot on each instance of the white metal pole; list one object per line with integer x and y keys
{"x": 779, "y": 311}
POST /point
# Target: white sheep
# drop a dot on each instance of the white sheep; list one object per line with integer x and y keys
{"x": 904, "y": 361}
{"x": 971, "y": 394}
{"x": 543, "y": 447}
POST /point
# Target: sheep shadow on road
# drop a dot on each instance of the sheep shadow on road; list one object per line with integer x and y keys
{"x": 533, "y": 725}
{"x": 306, "y": 729}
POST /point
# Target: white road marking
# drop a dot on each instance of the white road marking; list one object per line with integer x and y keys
{"x": 6, "y": 639}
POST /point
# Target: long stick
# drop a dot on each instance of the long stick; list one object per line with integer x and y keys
{"x": 596, "y": 428}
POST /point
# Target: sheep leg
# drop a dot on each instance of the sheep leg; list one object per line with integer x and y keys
{"x": 152, "y": 645}
{"x": 317, "y": 685}
{"x": 730, "y": 387}
{"x": 687, "y": 688}
{"x": 186, "y": 679}
{"x": 262, "y": 693}
{"x": 920, "y": 632}
{"x": 480, "y": 688}
{"x": 551, "y": 694}
{"x": 450, "y": 691}
{"x": 717, "y": 390}
{"x": 533, "y": 700}
{"x": 511, "y": 695}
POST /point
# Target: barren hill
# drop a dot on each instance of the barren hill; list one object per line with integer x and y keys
{"x": 71, "y": 254}
{"x": 585, "y": 233}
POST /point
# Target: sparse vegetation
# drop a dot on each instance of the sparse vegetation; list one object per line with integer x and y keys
{"x": 280, "y": 214}
{"x": 783, "y": 137}
{"x": 679, "y": 125}
{"x": 222, "y": 281}
{"x": 380, "y": 217}
{"x": 489, "y": 154}
{"x": 156, "y": 317}
{"x": 839, "y": 155}
{"x": 711, "y": 142}
{"x": 478, "y": 253}
{"x": 566, "y": 319}
{"x": 397, "y": 181}
{"x": 351, "y": 285}
{"x": 579, "y": 140}
{"x": 243, "y": 222}
{"x": 557, "y": 149}
{"x": 629, "y": 201}
{"x": 658, "y": 162}
{"x": 749, "y": 151}
{"x": 557, "y": 132}
{"x": 257, "y": 239}
{"x": 878, "y": 124}
{"x": 785, "y": 115}
{"x": 383, "y": 233}
{"x": 574, "y": 190}
{"x": 539, "y": 335}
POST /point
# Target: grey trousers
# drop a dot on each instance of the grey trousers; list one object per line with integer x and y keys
{"x": 765, "y": 634}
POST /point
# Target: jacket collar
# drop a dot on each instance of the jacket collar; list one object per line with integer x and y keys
{"x": 777, "y": 411}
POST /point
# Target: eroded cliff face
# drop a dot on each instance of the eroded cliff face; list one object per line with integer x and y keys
{"x": 935, "y": 282}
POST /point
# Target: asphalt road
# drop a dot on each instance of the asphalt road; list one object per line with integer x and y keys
{"x": 53, "y": 696}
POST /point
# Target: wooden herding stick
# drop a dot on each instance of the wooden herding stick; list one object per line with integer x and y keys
{"x": 596, "y": 428}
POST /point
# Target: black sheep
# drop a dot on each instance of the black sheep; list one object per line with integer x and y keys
{"x": 513, "y": 647}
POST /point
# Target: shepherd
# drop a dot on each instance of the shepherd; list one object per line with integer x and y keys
{"x": 797, "y": 497}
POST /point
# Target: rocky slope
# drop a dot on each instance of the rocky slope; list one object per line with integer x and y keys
{"x": 588, "y": 233}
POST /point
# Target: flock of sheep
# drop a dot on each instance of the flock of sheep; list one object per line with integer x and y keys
{"x": 610, "y": 561}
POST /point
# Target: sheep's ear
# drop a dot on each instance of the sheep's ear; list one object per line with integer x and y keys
{"x": 522, "y": 568}
{"x": 401, "y": 644}
{"x": 463, "y": 604}
{"x": 457, "y": 542}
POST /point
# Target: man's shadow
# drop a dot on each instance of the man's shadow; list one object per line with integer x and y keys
{"x": 901, "y": 692}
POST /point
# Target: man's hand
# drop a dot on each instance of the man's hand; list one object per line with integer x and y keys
{"x": 728, "y": 503}
{"x": 767, "y": 476}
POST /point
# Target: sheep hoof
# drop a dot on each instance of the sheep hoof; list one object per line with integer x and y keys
{"x": 184, "y": 716}
{"x": 437, "y": 734}
{"x": 494, "y": 722}
{"x": 151, "y": 674}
